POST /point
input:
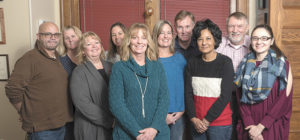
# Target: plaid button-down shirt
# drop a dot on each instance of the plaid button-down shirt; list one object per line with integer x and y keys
{"x": 236, "y": 53}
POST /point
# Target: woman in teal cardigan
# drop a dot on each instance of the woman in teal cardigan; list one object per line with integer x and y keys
{"x": 138, "y": 91}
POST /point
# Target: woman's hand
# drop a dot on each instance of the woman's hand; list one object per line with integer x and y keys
{"x": 171, "y": 119}
{"x": 147, "y": 134}
{"x": 255, "y": 130}
{"x": 206, "y": 122}
{"x": 178, "y": 115}
{"x": 259, "y": 137}
{"x": 199, "y": 125}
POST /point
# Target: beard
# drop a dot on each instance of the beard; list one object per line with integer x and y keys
{"x": 50, "y": 44}
{"x": 235, "y": 40}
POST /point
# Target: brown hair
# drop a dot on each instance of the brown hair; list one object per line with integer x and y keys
{"x": 274, "y": 47}
{"x": 182, "y": 14}
{"x": 112, "y": 51}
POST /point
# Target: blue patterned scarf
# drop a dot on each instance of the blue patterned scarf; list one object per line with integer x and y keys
{"x": 257, "y": 81}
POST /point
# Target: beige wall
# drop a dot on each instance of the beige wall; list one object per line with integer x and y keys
{"x": 21, "y": 23}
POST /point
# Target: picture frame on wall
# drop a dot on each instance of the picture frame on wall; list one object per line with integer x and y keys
{"x": 2, "y": 27}
{"x": 4, "y": 67}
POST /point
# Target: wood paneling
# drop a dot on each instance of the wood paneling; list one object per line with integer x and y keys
{"x": 294, "y": 135}
{"x": 243, "y": 6}
{"x": 70, "y": 13}
{"x": 296, "y": 95}
{"x": 292, "y": 53}
{"x": 291, "y": 18}
{"x": 291, "y": 35}
{"x": 152, "y": 13}
{"x": 294, "y": 121}
{"x": 296, "y": 104}
{"x": 291, "y": 4}
{"x": 285, "y": 22}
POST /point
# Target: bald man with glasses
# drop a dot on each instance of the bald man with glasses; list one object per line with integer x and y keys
{"x": 37, "y": 88}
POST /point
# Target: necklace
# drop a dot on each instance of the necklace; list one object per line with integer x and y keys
{"x": 142, "y": 93}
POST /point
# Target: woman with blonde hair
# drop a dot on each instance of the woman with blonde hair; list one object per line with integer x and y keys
{"x": 174, "y": 64}
{"x": 89, "y": 90}
{"x": 138, "y": 92}
{"x": 68, "y": 52}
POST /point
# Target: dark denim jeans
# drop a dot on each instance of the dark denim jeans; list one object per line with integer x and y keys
{"x": 177, "y": 129}
{"x": 214, "y": 133}
{"x": 53, "y": 134}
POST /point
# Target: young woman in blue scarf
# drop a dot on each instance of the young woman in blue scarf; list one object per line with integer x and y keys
{"x": 264, "y": 80}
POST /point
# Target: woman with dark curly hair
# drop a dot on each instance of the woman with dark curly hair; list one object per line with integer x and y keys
{"x": 208, "y": 85}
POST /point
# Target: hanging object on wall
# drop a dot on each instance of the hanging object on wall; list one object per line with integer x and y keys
{"x": 2, "y": 28}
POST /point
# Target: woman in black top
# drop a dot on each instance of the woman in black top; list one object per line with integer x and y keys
{"x": 208, "y": 85}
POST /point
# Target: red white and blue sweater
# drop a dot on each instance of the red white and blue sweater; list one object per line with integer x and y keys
{"x": 208, "y": 89}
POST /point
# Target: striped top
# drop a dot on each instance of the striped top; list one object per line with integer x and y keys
{"x": 208, "y": 89}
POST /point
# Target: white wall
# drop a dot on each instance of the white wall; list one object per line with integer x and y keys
{"x": 21, "y": 24}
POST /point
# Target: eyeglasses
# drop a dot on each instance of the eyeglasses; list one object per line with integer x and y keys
{"x": 263, "y": 38}
{"x": 49, "y": 35}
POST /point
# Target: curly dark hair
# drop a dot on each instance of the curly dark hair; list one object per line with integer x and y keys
{"x": 212, "y": 27}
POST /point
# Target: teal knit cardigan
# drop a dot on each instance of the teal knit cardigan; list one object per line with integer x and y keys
{"x": 125, "y": 99}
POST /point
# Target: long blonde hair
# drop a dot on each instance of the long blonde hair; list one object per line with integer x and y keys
{"x": 61, "y": 49}
{"x": 157, "y": 30}
{"x": 151, "y": 52}
{"x": 81, "y": 56}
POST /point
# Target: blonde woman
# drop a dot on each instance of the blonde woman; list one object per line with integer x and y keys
{"x": 68, "y": 52}
{"x": 89, "y": 90}
{"x": 138, "y": 91}
{"x": 174, "y": 64}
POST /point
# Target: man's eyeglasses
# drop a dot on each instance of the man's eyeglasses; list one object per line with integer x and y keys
{"x": 263, "y": 38}
{"x": 49, "y": 35}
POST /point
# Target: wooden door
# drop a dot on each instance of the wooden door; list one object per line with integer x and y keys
{"x": 285, "y": 21}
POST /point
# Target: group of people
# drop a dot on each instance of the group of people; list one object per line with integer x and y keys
{"x": 155, "y": 86}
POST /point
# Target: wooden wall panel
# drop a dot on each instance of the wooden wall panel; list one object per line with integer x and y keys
{"x": 294, "y": 136}
{"x": 291, "y": 35}
{"x": 291, "y": 18}
{"x": 296, "y": 86}
{"x": 285, "y": 22}
{"x": 291, "y": 4}
{"x": 243, "y": 6}
{"x": 296, "y": 104}
{"x": 70, "y": 13}
{"x": 294, "y": 121}
{"x": 152, "y": 13}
